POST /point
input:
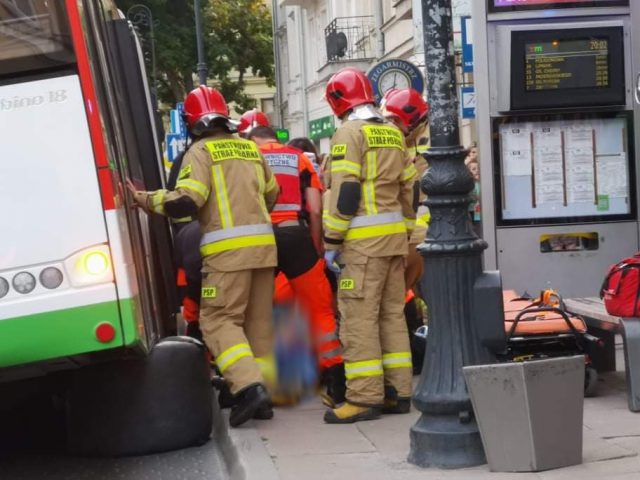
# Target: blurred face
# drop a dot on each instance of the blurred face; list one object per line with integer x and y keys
{"x": 473, "y": 154}
{"x": 474, "y": 169}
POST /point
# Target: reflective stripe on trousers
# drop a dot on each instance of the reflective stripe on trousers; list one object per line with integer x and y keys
{"x": 232, "y": 354}
{"x": 396, "y": 360}
{"x": 237, "y": 237}
{"x": 367, "y": 368}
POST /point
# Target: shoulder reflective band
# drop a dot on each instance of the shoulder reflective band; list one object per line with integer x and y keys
{"x": 232, "y": 354}
{"x": 184, "y": 172}
{"x": 237, "y": 237}
{"x": 233, "y": 150}
{"x": 194, "y": 186}
{"x": 409, "y": 172}
{"x": 380, "y": 136}
{"x": 396, "y": 360}
{"x": 345, "y": 166}
{"x": 369, "y": 226}
{"x": 368, "y": 368}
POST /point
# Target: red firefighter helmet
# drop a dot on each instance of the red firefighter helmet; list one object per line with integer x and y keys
{"x": 407, "y": 105}
{"x": 347, "y": 89}
{"x": 251, "y": 119}
{"x": 202, "y": 105}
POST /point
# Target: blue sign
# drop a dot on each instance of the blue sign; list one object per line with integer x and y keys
{"x": 395, "y": 74}
{"x": 176, "y": 144}
{"x": 177, "y": 122}
{"x": 468, "y": 102}
{"x": 467, "y": 45}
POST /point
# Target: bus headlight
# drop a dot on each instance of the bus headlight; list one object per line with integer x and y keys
{"x": 91, "y": 266}
{"x": 51, "y": 278}
{"x": 4, "y": 287}
{"x": 24, "y": 282}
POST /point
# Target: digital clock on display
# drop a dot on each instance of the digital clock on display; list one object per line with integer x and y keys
{"x": 510, "y": 5}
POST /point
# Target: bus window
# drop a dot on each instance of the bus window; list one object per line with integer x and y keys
{"x": 34, "y": 35}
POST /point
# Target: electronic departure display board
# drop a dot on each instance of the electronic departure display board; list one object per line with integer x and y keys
{"x": 516, "y": 5}
{"x": 567, "y": 64}
{"x": 567, "y": 68}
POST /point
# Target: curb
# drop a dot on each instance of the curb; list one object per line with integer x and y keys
{"x": 243, "y": 451}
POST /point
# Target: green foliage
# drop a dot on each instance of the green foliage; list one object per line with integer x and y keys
{"x": 237, "y": 40}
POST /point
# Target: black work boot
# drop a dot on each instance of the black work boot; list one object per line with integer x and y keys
{"x": 264, "y": 413}
{"x": 247, "y": 403}
{"x": 335, "y": 381}
{"x": 393, "y": 403}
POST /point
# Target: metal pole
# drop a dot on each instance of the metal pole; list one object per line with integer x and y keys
{"x": 446, "y": 435}
{"x": 202, "y": 65}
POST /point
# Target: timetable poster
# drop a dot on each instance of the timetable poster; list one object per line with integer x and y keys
{"x": 564, "y": 168}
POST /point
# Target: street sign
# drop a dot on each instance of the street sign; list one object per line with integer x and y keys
{"x": 467, "y": 45}
{"x": 322, "y": 127}
{"x": 468, "y": 102}
{"x": 282, "y": 135}
{"x": 177, "y": 123}
{"x": 175, "y": 146}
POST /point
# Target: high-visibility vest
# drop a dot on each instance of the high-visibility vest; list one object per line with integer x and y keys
{"x": 285, "y": 164}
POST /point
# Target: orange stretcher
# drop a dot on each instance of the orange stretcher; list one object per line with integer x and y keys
{"x": 536, "y": 319}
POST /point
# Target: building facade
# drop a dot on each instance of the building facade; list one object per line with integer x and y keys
{"x": 313, "y": 39}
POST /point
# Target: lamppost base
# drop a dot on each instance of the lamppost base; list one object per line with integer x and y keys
{"x": 443, "y": 441}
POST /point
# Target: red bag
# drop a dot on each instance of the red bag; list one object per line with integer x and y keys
{"x": 621, "y": 288}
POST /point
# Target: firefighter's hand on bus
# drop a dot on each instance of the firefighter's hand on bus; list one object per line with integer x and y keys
{"x": 135, "y": 193}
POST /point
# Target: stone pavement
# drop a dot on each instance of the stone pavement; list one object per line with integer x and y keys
{"x": 297, "y": 445}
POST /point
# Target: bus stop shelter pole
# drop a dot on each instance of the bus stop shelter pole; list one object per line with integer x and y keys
{"x": 202, "y": 65}
{"x": 446, "y": 434}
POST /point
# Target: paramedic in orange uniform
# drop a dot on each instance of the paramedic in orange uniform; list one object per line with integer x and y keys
{"x": 297, "y": 221}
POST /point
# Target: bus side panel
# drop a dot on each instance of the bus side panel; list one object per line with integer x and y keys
{"x": 55, "y": 334}
{"x": 52, "y": 199}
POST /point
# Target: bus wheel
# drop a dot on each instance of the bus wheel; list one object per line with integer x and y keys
{"x": 141, "y": 406}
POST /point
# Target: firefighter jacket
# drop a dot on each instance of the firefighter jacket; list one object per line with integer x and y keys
{"x": 371, "y": 205}
{"x": 225, "y": 181}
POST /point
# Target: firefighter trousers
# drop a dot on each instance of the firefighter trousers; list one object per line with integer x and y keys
{"x": 299, "y": 261}
{"x": 373, "y": 328}
{"x": 236, "y": 322}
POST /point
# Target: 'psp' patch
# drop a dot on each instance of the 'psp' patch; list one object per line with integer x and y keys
{"x": 339, "y": 149}
{"x": 209, "y": 292}
{"x": 347, "y": 284}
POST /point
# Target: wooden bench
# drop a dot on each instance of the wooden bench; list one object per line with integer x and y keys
{"x": 605, "y": 327}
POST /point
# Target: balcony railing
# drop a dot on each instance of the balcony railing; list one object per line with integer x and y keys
{"x": 349, "y": 38}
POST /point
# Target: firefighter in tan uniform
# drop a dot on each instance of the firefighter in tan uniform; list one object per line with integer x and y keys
{"x": 227, "y": 184}
{"x": 370, "y": 215}
{"x": 409, "y": 112}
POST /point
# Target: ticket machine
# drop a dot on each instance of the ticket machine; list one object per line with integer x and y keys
{"x": 557, "y": 115}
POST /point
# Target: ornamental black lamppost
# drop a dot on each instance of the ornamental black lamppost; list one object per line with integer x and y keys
{"x": 446, "y": 435}
{"x": 140, "y": 16}
{"x": 202, "y": 65}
